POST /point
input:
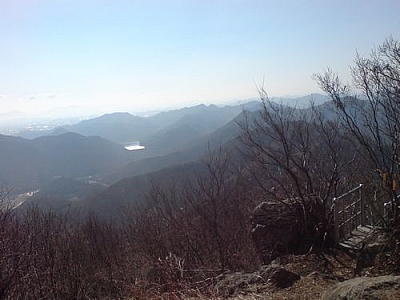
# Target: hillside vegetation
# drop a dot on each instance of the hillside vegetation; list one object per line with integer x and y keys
{"x": 183, "y": 220}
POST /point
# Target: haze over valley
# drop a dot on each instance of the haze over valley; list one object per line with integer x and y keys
{"x": 74, "y": 161}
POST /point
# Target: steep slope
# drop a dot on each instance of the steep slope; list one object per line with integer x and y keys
{"x": 193, "y": 125}
{"x": 194, "y": 151}
{"x": 72, "y": 155}
{"x": 25, "y": 164}
{"x": 69, "y": 189}
{"x": 129, "y": 193}
{"x": 61, "y": 194}
{"x": 18, "y": 162}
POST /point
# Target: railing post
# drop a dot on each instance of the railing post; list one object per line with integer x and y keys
{"x": 362, "y": 203}
{"x": 336, "y": 220}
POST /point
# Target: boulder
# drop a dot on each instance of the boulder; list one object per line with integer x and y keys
{"x": 278, "y": 276}
{"x": 276, "y": 230}
{"x": 381, "y": 287}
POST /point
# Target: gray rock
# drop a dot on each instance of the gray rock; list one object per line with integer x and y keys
{"x": 278, "y": 276}
{"x": 276, "y": 230}
{"x": 371, "y": 288}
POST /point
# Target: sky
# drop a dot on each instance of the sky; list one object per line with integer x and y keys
{"x": 78, "y": 57}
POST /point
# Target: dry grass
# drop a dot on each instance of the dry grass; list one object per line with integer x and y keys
{"x": 317, "y": 275}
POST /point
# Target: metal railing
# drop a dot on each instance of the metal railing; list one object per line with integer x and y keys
{"x": 348, "y": 212}
{"x": 358, "y": 208}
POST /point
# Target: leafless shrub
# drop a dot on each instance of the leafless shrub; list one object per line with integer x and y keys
{"x": 371, "y": 115}
{"x": 198, "y": 225}
{"x": 301, "y": 159}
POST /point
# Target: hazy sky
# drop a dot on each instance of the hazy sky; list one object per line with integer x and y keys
{"x": 141, "y": 55}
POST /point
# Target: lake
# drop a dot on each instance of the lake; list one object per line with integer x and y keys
{"x": 133, "y": 146}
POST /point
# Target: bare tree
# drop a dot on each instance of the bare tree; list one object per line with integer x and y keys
{"x": 219, "y": 199}
{"x": 299, "y": 158}
{"x": 202, "y": 221}
{"x": 371, "y": 112}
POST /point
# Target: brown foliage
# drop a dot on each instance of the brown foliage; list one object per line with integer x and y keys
{"x": 203, "y": 223}
{"x": 49, "y": 256}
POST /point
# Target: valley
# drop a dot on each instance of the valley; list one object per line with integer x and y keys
{"x": 78, "y": 162}
{"x": 74, "y": 162}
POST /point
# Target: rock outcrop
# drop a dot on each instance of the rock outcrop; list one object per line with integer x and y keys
{"x": 276, "y": 230}
{"x": 381, "y": 287}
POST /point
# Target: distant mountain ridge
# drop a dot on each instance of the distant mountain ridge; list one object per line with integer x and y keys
{"x": 302, "y": 101}
{"x": 121, "y": 127}
{"x": 174, "y": 141}
{"x": 158, "y": 129}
